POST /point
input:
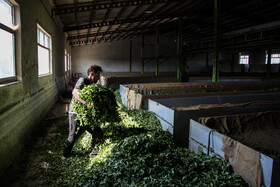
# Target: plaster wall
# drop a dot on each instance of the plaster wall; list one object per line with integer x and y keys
{"x": 115, "y": 56}
{"x": 25, "y": 102}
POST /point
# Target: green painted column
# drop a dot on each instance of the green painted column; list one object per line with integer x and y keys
{"x": 142, "y": 54}
{"x": 157, "y": 51}
{"x": 130, "y": 55}
{"x": 179, "y": 50}
{"x": 215, "y": 74}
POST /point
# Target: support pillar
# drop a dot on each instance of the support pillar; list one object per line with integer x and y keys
{"x": 232, "y": 62}
{"x": 142, "y": 54}
{"x": 215, "y": 74}
{"x": 179, "y": 50}
{"x": 157, "y": 51}
{"x": 207, "y": 63}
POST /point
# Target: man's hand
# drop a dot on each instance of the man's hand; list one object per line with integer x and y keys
{"x": 85, "y": 103}
{"x": 88, "y": 105}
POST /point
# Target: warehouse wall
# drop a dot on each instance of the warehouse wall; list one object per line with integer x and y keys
{"x": 197, "y": 62}
{"x": 114, "y": 56}
{"x": 24, "y": 103}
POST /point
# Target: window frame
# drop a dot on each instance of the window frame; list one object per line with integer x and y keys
{"x": 241, "y": 57}
{"x": 275, "y": 52}
{"x": 12, "y": 29}
{"x": 49, "y": 48}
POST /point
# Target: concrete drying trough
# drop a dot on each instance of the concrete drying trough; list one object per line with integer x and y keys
{"x": 129, "y": 78}
{"x": 175, "y": 113}
{"x": 255, "y": 167}
{"x": 136, "y": 96}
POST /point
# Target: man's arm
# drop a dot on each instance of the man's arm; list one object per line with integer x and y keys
{"x": 76, "y": 95}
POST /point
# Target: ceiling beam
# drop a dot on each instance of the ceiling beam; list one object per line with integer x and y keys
{"x": 85, "y": 7}
{"x": 104, "y": 19}
{"x": 158, "y": 24}
{"x": 91, "y": 41}
{"x": 122, "y": 10}
{"x": 92, "y": 15}
{"x": 135, "y": 9}
{"x": 76, "y": 19}
{"x": 114, "y": 22}
{"x": 139, "y": 23}
{"x": 107, "y": 33}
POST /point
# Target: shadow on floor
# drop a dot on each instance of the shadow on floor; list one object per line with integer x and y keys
{"x": 22, "y": 171}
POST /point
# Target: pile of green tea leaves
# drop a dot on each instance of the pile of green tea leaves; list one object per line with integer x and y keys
{"x": 135, "y": 152}
{"x": 103, "y": 105}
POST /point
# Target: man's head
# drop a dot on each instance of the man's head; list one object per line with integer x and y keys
{"x": 94, "y": 73}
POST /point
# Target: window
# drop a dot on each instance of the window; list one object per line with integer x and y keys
{"x": 243, "y": 58}
{"x": 275, "y": 57}
{"x": 7, "y": 44}
{"x": 65, "y": 60}
{"x": 69, "y": 61}
{"x": 44, "y": 51}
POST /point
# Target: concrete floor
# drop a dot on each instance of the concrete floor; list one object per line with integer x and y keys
{"x": 22, "y": 172}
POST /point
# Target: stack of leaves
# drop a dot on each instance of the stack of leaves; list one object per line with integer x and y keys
{"x": 152, "y": 159}
{"x": 135, "y": 152}
{"x": 103, "y": 105}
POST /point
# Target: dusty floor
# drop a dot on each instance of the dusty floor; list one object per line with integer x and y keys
{"x": 23, "y": 170}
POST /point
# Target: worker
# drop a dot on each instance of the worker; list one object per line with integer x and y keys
{"x": 93, "y": 75}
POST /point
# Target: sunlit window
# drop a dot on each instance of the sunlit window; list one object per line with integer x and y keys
{"x": 7, "y": 44}
{"x": 6, "y": 13}
{"x": 44, "y": 51}
{"x": 65, "y": 60}
{"x": 274, "y": 59}
{"x": 243, "y": 58}
{"x": 69, "y": 62}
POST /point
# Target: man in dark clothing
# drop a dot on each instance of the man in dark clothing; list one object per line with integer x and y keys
{"x": 93, "y": 75}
